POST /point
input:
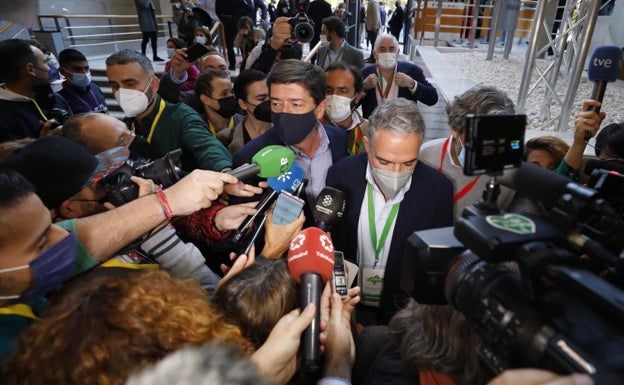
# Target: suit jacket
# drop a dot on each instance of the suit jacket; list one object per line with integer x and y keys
{"x": 425, "y": 92}
{"x": 337, "y": 144}
{"x": 428, "y": 203}
{"x": 351, "y": 55}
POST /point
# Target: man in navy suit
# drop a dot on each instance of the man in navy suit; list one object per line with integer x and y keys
{"x": 297, "y": 95}
{"x": 390, "y": 79}
{"x": 389, "y": 195}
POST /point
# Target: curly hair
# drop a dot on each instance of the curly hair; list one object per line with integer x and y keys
{"x": 257, "y": 297}
{"x": 477, "y": 100}
{"x": 439, "y": 338}
{"x": 107, "y": 327}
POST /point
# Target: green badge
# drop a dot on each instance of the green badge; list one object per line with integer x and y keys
{"x": 375, "y": 280}
{"x": 515, "y": 223}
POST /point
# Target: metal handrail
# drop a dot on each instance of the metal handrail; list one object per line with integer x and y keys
{"x": 6, "y": 26}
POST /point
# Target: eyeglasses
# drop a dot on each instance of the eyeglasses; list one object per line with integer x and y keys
{"x": 100, "y": 201}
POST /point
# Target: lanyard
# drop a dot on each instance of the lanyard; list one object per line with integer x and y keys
{"x": 212, "y": 128}
{"x": 20, "y": 309}
{"x": 466, "y": 189}
{"x": 161, "y": 108}
{"x": 338, "y": 55}
{"x": 84, "y": 102}
{"x": 356, "y": 147}
{"x": 39, "y": 109}
{"x": 384, "y": 94}
{"x": 378, "y": 245}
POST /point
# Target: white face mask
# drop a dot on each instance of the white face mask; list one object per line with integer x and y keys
{"x": 338, "y": 108}
{"x": 323, "y": 39}
{"x": 132, "y": 102}
{"x": 200, "y": 39}
{"x": 81, "y": 80}
{"x": 391, "y": 182}
{"x": 387, "y": 60}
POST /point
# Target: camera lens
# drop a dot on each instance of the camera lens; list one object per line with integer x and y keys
{"x": 303, "y": 32}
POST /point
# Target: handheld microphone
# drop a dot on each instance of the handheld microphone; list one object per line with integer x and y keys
{"x": 271, "y": 161}
{"x": 289, "y": 181}
{"x": 604, "y": 67}
{"x": 311, "y": 263}
{"x": 329, "y": 207}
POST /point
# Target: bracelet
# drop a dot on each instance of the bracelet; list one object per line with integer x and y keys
{"x": 164, "y": 203}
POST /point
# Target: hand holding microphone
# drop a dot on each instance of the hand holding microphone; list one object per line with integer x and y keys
{"x": 311, "y": 262}
{"x": 604, "y": 67}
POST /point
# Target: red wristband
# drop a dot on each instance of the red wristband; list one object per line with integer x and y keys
{"x": 164, "y": 202}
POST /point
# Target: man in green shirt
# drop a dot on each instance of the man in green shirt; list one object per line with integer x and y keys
{"x": 164, "y": 125}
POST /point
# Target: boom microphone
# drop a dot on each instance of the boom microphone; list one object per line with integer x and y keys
{"x": 271, "y": 161}
{"x": 329, "y": 207}
{"x": 311, "y": 263}
{"x": 604, "y": 67}
{"x": 289, "y": 181}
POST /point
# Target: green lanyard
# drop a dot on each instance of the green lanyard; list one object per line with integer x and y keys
{"x": 338, "y": 55}
{"x": 377, "y": 246}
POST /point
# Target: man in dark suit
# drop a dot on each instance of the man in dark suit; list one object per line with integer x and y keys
{"x": 317, "y": 11}
{"x": 337, "y": 48}
{"x": 396, "y": 20}
{"x": 389, "y": 195}
{"x": 297, "y": 94}
{"x": 390, "y": 79}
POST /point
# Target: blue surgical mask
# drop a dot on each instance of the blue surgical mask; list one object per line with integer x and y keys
{"x": 170, "y": 52}
{"x": 461, "y": 157}
{"x": 80, "y": 80}
{"x": 50, "y": 269}
{"x": 294, "y": 128}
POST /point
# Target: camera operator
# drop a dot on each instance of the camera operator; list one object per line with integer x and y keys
{"x": 28, "y": 107}
{"x": 279, "y": 45}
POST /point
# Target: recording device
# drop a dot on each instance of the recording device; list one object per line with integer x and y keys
{"x": 59, "y": 116}
{"x": 302, "y": 27}
{"x": 329, "y": 207}
{"x": 287, "y": 208}
{"x": 522, "y": 284}
{"x": 288, "y": 181}
{"x": 164, "y": 171}
{"x": 339, "y": 276}
{"x": 195, "y": 52}
{"x": 271, "y": 161}
{"x": 607, "y": 177}
{"x": 311, "y": 263}
{"x": 604, "y": 67}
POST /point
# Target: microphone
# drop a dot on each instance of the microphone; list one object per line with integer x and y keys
{"x": 289, "y": 181}
{"x": 604, "y": 67}
{"x": 271, "y": 161}
{"x": 329, "y": 207}
{"x": 311, "y": 263}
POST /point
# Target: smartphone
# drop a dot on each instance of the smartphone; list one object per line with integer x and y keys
{"x": 287, "y": 208}
{"x": 493, "y": 143}
{"x": 195, "y": 51}
{"x": 339, "y": 276}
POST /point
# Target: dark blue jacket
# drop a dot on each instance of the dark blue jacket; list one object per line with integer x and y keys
{"x": 427, "y": 204}
{"x": 425, "y": 92}
{"x": 86, "y": 99}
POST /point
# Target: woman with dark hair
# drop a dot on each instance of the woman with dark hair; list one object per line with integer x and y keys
{"x": 610, "y": 142}
{"x": 422, "y": 345}
{"x": 247, "y": 37}
{"x": 192, "y": 72}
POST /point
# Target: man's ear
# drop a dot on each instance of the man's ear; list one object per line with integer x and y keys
{"x": 365, "y": 138}
{"x": 242, "y": 105}
{"x": 320, "y": 109}
{"x": 204, "y": 99}
{"x": 155, "y": 84}
{"x": 67, "y": 210}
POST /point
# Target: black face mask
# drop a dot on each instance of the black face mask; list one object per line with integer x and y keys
{"x": 139, "y": 149}
{"x": 227, "y": 106}
{"x": 262, "y": 112}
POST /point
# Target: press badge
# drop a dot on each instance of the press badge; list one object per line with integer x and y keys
{"x": 372, "y": 283}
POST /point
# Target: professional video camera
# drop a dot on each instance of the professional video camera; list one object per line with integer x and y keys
{"x": 164, "y": 171}
{"x": 302, "y": 28}
{"x": 519, "y": 279}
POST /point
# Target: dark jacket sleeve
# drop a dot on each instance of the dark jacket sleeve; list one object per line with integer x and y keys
{"x": 425, "y": 92}
{"x": 266, "y": 59}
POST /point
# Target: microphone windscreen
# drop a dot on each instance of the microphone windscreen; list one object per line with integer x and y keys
{"x": 288, "y": 181}
{"x": 273, "y": 160}
{"x": 330, "y": 205}
{"x": 536, "y": 183}
{"x": 605, "y": 64}
{"x": 311, "y": 251}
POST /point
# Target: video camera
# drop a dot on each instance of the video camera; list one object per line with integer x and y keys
{"x": 535, "y": 288}
{"x": 302, "y": 28}
{"x": 164, "y": 171}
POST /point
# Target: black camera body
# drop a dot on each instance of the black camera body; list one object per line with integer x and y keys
{"x": 59, "y": 116}
{"x": 302, "y": 27}
{"x": 164, "y": 171}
